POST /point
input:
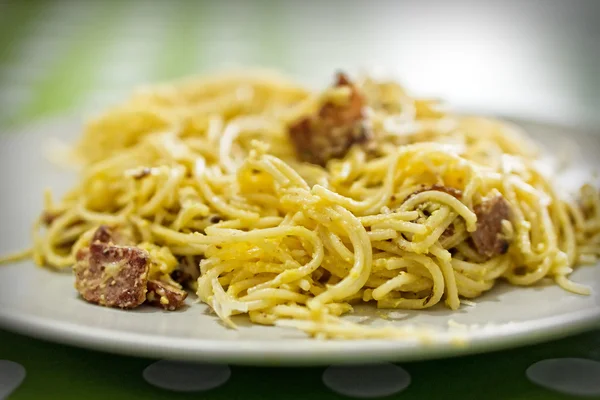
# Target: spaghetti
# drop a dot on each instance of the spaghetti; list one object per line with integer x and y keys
{"x": 418, "y": 207}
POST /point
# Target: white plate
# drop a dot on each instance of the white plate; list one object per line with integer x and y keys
{"x": 44, "y": 304}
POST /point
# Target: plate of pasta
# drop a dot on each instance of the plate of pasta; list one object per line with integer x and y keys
{"x": 243, "y": 217}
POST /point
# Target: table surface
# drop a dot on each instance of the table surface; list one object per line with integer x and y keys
{"x": 524, "y": 58}
{"x": 57, "y": 371}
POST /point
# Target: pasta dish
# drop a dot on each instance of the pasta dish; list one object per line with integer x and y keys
{"x": 291, "y": 206}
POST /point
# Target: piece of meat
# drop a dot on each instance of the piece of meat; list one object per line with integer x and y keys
{"x": 112, "y": 276}
{"x": 103, "y": 234}
{"x": 488, "y": 238}
{"x": 440, "y": 188}
{"x": 108, "y": 235}
{"x": 333, "y": 131}
{"x": 166, "y": 296}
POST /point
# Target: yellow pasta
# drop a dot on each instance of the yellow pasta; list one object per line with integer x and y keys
{"x": 204, "y": 173}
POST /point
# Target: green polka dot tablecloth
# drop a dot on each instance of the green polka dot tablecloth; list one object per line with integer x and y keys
{"x": 78, "y": 56}
{"x": 566, "y": 369}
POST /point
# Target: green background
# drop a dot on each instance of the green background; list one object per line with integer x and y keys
{"x": 56, "y": 371}
{"x": 526, "y": 58}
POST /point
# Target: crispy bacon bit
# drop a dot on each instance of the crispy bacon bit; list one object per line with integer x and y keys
{"x": 166, "y": 296}
{"x": 108, "y": 235}
{"x": 103, "y": 234}
{"x": 439, "y": 188}
{"x": 113, "y": 273}
{"x": 488, "y": 238}
{"x": 333, "y": 131}
{"x": 112, "y": 276}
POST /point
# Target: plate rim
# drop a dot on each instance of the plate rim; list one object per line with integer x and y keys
{"x": 305, "y": 351}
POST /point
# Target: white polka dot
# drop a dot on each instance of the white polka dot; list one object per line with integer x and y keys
{"x": 574, "y": 376}
{"x": 186, "y": 377}
{"x": 364, "y": 381}
{"x": 12, "y": 375}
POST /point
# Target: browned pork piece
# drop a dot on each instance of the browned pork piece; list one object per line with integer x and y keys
{"x": 166, "y": 296}
{"x": 112, "y": 272}
{"x": 112, "y": 276}
{"x": 333, "y": 130}
{"x": 489, "y": 239}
